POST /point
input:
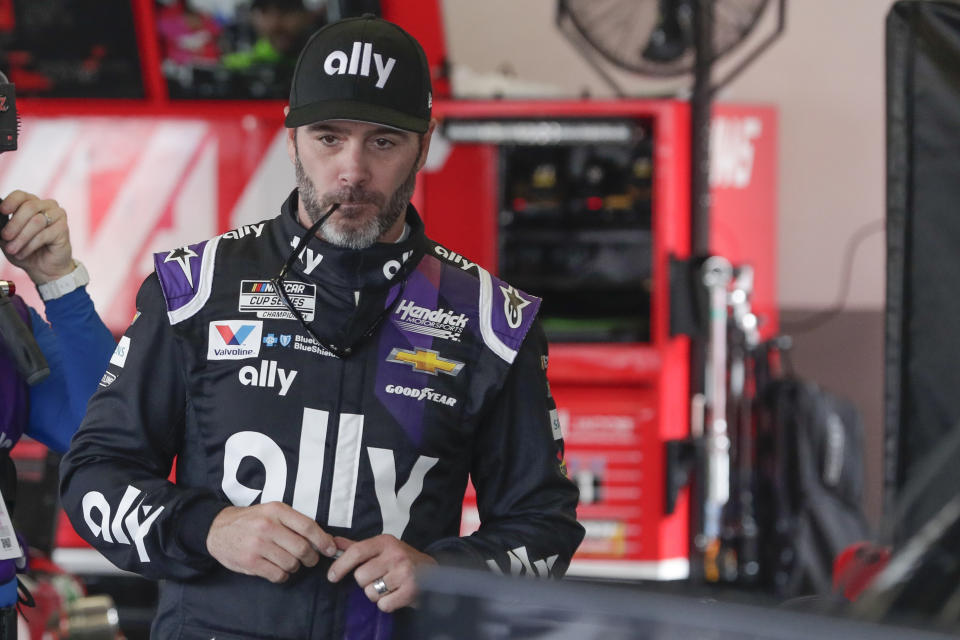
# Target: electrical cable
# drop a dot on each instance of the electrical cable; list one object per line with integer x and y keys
{"x": 816, "y": 320}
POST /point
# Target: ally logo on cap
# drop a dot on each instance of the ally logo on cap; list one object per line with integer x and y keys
{"x": 338, "y": 63}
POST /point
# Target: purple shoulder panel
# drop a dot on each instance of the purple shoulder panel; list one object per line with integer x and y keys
{"x": 512, "y": 312}
{"x": 179, "y": 273}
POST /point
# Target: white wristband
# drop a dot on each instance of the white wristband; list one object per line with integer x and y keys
{"x": 62, "y": 286}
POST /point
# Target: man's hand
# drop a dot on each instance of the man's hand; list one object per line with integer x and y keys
{"x": 36, "y": 238}
{"x": 267, "y": 540}
{"x": 385, "y": 558}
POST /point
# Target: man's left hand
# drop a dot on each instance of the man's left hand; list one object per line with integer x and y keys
{"x": 36, "y": 238}
{"x": 382, "y": 561}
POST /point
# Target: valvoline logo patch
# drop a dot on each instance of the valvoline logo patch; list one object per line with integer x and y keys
{"x": 234, "y": 336}
{"x": 234, "y": 339}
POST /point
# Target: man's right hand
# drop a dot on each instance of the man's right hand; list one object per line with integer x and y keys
{"x": 268, "y": 540}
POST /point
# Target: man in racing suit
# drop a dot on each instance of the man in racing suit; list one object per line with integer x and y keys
{"x": 326, "y": 381}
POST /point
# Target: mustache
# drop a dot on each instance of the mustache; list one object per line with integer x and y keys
{"x": 352, "y": 196}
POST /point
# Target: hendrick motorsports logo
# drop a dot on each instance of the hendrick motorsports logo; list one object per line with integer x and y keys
{"x": 260, "y": 297}
{"x": 420, "y": 394}
{"x": 234, "y": 339}
{"x": 438, "y": 323}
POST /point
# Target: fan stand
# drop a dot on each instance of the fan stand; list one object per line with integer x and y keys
{"x": 702, "y": 353}
{"x": 701, "y": 102}
{"x": 703, "y": 516}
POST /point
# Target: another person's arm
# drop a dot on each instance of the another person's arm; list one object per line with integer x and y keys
{"x": 77, "y": 349}
{"x": 36, "y": 238}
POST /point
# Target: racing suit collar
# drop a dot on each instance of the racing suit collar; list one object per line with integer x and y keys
{"x": 375, "y": 267}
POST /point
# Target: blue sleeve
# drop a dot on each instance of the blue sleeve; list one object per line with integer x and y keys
{"x": 77, "y": 347}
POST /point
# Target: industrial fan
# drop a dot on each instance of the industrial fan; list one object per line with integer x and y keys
{"x": 656, "y": 38}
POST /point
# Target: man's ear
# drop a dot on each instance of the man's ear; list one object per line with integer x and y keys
{"x": 425, "y": 144}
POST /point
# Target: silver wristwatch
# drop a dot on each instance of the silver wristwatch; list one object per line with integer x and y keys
{"x": 62, "y": 286}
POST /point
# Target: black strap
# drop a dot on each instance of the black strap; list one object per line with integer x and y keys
{"x": 8, "y": 623}
{"x": 24, "y": 597}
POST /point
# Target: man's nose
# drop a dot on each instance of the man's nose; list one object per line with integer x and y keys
{"x": 354, "y": 167}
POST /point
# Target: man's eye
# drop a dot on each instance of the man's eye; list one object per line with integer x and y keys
{"x": 328, "y": 139}
{"x": 383, "y": 143}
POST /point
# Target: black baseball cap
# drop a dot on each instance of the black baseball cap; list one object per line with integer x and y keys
{"x": 364, "y": 69}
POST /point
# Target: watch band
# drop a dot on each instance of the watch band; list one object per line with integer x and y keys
{"x": 62, "y": 286}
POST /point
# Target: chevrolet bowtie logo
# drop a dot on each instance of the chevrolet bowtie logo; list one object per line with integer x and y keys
{"x": 425, "y": 361}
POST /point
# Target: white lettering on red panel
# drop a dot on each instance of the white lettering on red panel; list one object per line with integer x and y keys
{"x": 732, "y": 151}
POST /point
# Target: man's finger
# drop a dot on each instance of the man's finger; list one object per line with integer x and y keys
{"x": 24, "y": 223}
{"x": 266, "y": 569}
{"x": 309, "y": 529}
{"x": 277, "y": 555}
{"x": 375, "y": 569}
{"x": 380, "y": 587}
{"x": 396, "y": 572}
{"x": 14, "y": 200}
{"x": 343, "y": 543}
{"x": 296, "y": 546}
{"x": 45, "y": 236}
{"x": 354, "y": 556}
{"x": 29, "y": 208}
{"x": 397, "y": 598}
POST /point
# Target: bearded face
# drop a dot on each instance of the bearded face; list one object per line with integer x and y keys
{"x": 364, "y": 215}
